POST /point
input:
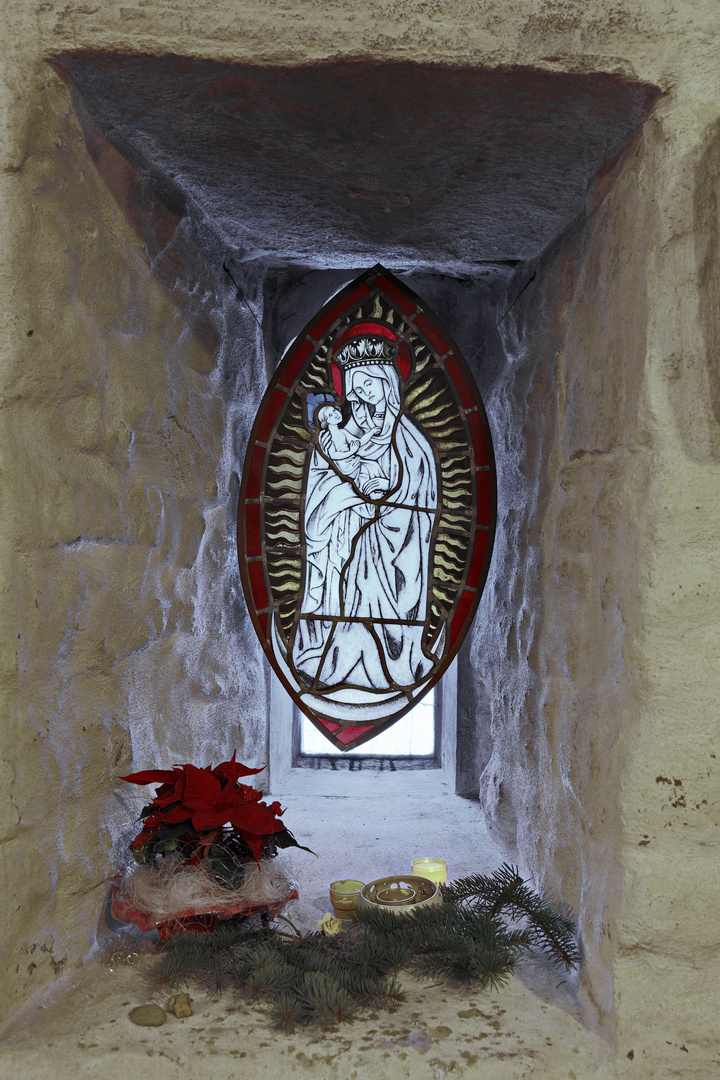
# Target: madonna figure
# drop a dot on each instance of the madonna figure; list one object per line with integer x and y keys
{"x": 370, "y": 505}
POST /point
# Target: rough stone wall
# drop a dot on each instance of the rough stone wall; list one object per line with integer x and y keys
{"x": 121, "y": 612}
{"x": 603, "y": 776}
{"x": 566, "y": 598}
{"x": 667, "y": 759}
{"x": 613, "y": 799}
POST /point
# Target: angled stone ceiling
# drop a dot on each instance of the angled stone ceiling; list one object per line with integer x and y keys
{"x": 347, "y": 163}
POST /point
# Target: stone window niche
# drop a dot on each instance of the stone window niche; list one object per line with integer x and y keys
{"x": 245, "y": 196}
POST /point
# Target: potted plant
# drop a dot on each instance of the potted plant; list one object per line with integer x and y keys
{"x": 204, "y": 852}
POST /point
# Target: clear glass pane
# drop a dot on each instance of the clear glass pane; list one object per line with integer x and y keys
{"x": 412, "y": 736}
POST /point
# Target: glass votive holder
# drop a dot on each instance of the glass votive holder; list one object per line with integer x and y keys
{"x": 345, "y": 896}
{"x": 433, "y": 869}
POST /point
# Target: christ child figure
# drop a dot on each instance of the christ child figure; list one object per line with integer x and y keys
{"x": 342, "y": 449}
{"x": 340, "y": 444}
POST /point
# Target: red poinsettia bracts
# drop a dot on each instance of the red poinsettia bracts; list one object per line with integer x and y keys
{"x": 194, "y": 809}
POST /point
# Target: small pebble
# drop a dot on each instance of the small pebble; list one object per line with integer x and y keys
{"x": 420, "y": 1040}
{"x": 180, "y": 1004}
{"x": 148, "y": 1016}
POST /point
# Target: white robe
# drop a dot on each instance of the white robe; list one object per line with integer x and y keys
{"x": 361, "y": 564}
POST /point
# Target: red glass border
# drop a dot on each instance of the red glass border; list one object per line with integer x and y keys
{"x": 433, "y": 335}
{"x": 296, "y": 362}
{"x": 252, "y": 530}
{"x": 270, "y": 415}
{"x": 466, "y": 395}
{"x": 478, "y": 558}
{"x": 340, "y": 308}
{"x": 484, "y": 499}
{"x": 458, "y": 627}
{"x": 253, "y": 469}
{"x": 396, "y": 296}
{"x": 257, "y": 584}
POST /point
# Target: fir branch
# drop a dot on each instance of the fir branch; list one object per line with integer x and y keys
{"x": 294, "y": 927}
{"x": 321, "y": 979}
{"x": 288, "y": 1010}
{"x": 386, "y": 995}
{"x": 506, "y": 892}
{"x": 379, "y": 957}
{"x": 273, "y": 976}
{"x": 486, "y": 969}
{"x": 328, "y": 1001}
{"x": 478, "y": 886}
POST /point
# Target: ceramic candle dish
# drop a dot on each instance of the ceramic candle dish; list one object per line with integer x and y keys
{"x": 400, "y": 893}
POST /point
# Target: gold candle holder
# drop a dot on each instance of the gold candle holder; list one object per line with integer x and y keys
{"x": 345, "y": 896}
{"x": 432, "y": 869}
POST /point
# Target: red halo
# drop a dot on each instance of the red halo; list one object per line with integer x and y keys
{"x": 364, "y": 329}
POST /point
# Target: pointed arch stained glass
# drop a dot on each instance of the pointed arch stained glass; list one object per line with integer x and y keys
{"x": 367, "y": 509}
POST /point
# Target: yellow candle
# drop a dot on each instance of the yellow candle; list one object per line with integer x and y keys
{"x": 344, "y": 896}
{"x": 433, "y": 869}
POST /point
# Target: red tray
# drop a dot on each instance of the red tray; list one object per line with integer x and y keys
{"x": 194, "y": 920}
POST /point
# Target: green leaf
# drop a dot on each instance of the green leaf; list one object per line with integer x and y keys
{"x": 285, "y": 839}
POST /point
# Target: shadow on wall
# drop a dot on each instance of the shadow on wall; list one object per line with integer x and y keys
{"x": 701, "y": 432}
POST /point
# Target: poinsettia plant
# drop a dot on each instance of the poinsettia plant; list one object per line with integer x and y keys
{"x": 207, "y": 815}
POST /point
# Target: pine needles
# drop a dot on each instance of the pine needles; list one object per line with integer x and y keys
{"x": 300, "y": 980}
{"x": 448, "y": 942}
{"x": 318, "y": 979}
{"x": 505, "y": 893}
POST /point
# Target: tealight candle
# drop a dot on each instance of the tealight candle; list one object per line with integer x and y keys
{"x": 433, "y": 869}
{"x": 344, "y": 896}
{"x": 396, "y": 895}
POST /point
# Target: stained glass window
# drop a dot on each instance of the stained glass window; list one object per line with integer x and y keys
{"x": 367, "y": 510}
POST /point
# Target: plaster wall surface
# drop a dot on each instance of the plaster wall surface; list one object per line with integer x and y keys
{"x": 609, "y": 617}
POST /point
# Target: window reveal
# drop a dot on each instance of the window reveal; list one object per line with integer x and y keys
{"x": 367, "y": 510}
